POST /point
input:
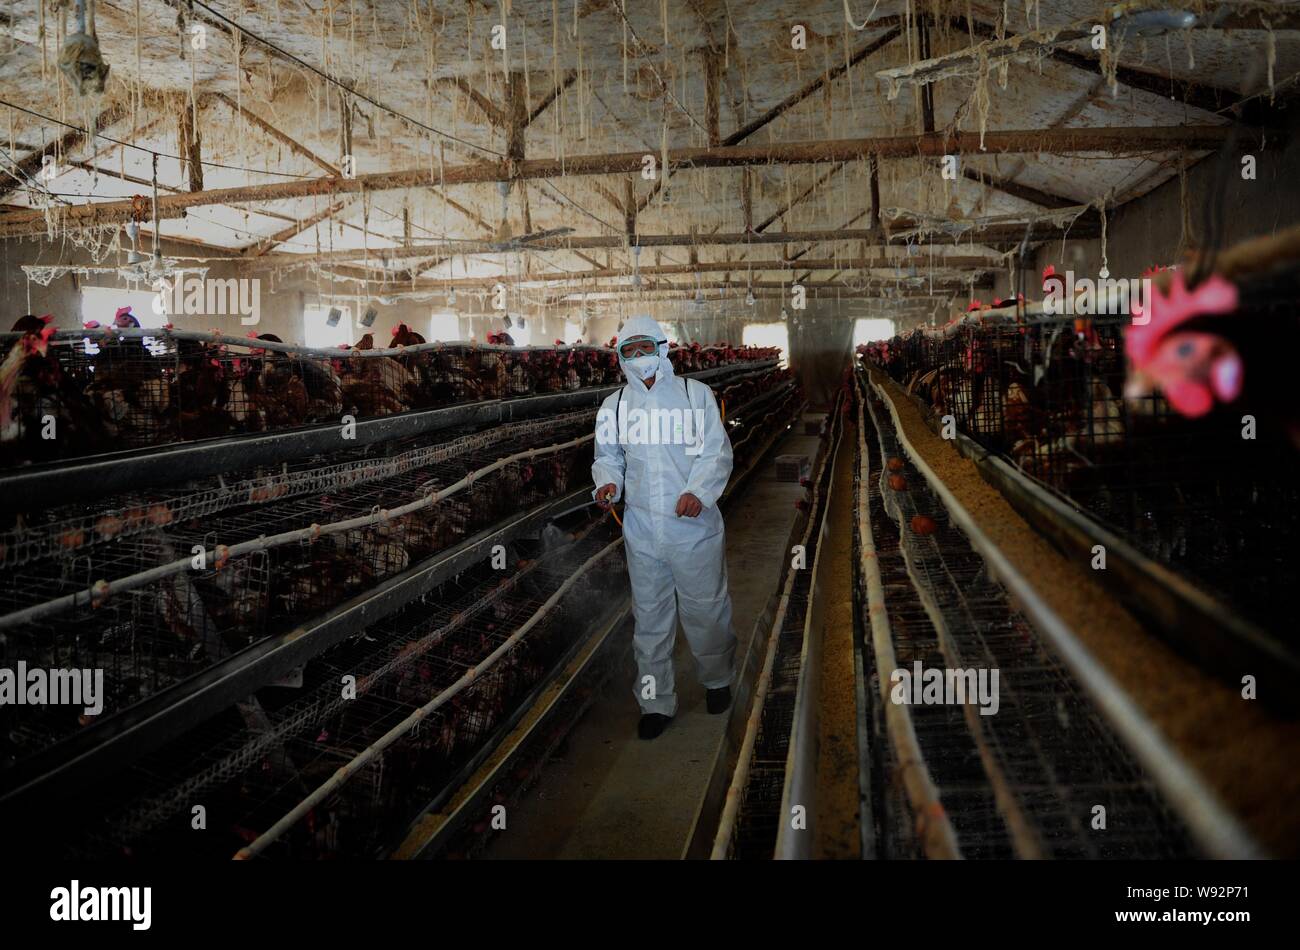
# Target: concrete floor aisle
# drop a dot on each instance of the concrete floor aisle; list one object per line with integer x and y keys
{"x": 610, "y": 795}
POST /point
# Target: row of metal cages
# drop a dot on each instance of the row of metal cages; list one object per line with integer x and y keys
{"x": 1216, "y": 495}
{"x": 73, "y": 394}
{"x": 227, "y": 785}
{"x": 1054, "y": 754}
{"x": 153, "y": 587}
{"x": 224, "y": 783}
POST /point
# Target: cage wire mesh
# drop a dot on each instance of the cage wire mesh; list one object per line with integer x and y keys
{"x": 150, "y": 632}
{"x": 109, "y": 389}
{"x": 250, "y": 766}
{"x": 1047, "y": 395}
{"x": 1043, "y": 721}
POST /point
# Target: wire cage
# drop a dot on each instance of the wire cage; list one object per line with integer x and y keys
{"x": 250, "y": 766}
{"x": 1048, "y": 395}
{"x": 156, "y": 587}
{"x": 965, "y": 621}
{"x": 173, "y": 604}
{"x": 73, "y": 394}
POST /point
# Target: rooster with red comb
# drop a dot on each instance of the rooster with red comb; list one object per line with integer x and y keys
{"x": 1195, "y": 346}
{"x": 1171, "y": 348}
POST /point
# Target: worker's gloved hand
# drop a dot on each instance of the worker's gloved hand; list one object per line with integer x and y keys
{"x": 604, "y": 493}
{"x": 689, "y": 506}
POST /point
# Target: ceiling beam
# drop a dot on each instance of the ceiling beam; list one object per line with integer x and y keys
{"x": 283, "y": 138}
{"x": 792, "y": 100}
{"x": 1199, "y": 95}
{"x": 1117, "y": 141}
{"x": 551, "y": 96}
{"x": 815, "y": 290}
{"x": 1016, "y": 190}
{"x": 784, "y": 209}
{"x": 721, "y": 267}
{"x": 31, "y": 164}
{"x": 998, "y": 233}
{"x": 298, "y": 227}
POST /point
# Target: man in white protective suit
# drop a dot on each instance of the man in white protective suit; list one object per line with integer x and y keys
{"x": 662, "y": 447}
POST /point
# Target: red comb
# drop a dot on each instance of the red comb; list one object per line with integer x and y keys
{"x": 1169, "y": 311}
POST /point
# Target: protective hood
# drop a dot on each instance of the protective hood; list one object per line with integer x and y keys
{"x": 645, "y": 325}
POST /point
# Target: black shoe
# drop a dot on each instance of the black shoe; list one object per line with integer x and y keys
{"x": 651, "y": 725}
{"x": 717, "y": 700}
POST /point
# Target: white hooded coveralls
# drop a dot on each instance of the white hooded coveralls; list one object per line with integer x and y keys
{"x": 677, "y": 565}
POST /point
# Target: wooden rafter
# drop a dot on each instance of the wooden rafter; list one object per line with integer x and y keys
{"x": 1118, "y": 141}
{"x": 830, "y": 75}
{"x": 806, "y": 193}
{"x": 283, "y": 138}
{"x": 693, "y": 240}
{"x": 975, "y": 264}
{"x": 31, "y": 164}
{"x": 263, "y": 247}
{"x": 551, "y": 96}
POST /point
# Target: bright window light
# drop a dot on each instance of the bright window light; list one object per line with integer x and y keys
{"x": 318, "y": 333}
{"x": 870, "y": 329}
{"x": 101, "y": 303}
{"x": 571, "y": 332}
{"x": 444, "y": 327}
{"x": 768, "y": 334}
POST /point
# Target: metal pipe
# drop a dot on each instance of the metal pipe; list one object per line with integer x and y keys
{"x": 731, "y": 807}
{"x": 1023, "y": 835}
{"x": 938, "y": 839}
{"x": 295, "y": 814}
{"x": 219, "y": 554}
{"x": 1214, "y": 828}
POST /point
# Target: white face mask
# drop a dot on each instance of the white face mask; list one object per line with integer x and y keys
{"x": 643, "y": 366}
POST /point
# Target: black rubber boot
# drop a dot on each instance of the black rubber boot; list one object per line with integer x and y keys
{"x": 651, "y": 725}
{"x": 717, "y": 700}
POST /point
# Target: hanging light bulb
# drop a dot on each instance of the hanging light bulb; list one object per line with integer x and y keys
{"x": 699, "y": 295}
{"x": 451, "y": 297}
{"x": 749, "y": 298}
{"x": 784, "y": 316}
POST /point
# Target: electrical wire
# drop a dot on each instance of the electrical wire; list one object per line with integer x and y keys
{"x": 141, "y": 148}
{"x": 337, "y": 82}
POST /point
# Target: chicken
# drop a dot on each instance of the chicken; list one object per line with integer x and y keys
{"x": 1196, "y": 346}
{"x": 35, "y": 388}
{"x": 202, "y": 393}
{"x": 375, "y": 386}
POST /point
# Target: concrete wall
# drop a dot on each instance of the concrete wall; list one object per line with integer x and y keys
{"x": 1149, "y": 231}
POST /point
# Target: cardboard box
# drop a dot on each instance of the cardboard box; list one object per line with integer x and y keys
{"x": 791, "y": 468}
